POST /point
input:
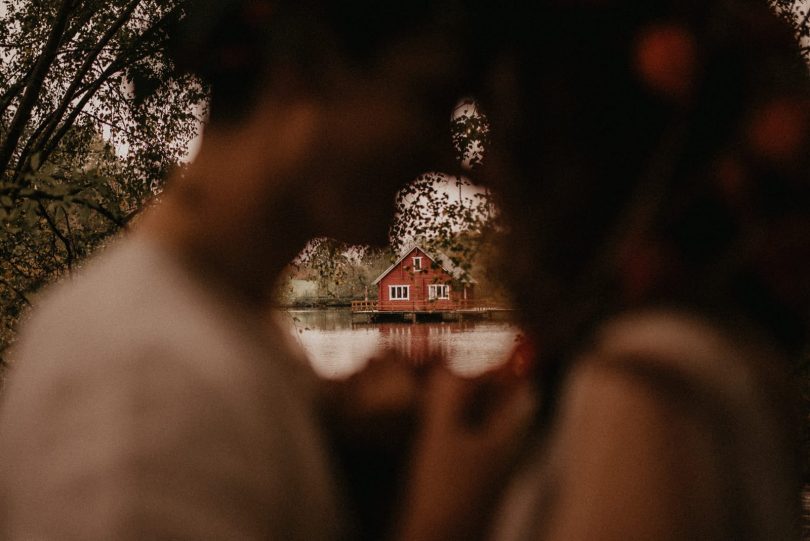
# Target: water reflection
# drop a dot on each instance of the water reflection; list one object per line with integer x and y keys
{"x": 337, "y": 347}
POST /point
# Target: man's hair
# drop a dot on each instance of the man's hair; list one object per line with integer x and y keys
{"x": 232, "y": 44}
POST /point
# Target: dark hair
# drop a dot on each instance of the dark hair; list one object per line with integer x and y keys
{"x": 659, "y": 157}
{"x": 231, "y": 44}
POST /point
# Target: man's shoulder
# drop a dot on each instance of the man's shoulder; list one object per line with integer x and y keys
{"x": 130, "y": 299}
{"x": 127, "y": 324}
{"x": 108, "y": 298}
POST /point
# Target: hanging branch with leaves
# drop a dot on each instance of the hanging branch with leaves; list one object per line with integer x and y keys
{"x": 82, "y": 147}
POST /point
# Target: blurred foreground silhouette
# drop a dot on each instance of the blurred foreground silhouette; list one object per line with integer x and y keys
{"x": 650, "y": 159}
{"x": 656, "y": 183}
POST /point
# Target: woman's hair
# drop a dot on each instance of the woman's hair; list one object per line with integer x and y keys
{"x": 659, "y": 155}
{"x": 233, "y": 44}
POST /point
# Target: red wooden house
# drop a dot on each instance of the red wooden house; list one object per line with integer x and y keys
{"x": 420, "y": 282}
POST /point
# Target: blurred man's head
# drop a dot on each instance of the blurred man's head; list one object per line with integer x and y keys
{"x": 241, "y": 46}
{"x": 377, "y": 80}
{"x": 320, "y": 112}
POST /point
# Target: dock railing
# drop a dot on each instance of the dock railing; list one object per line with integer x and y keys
{"x": 480, "y": 305}
{"x": 364, "y": 306}
{"x": 463, "y": 305}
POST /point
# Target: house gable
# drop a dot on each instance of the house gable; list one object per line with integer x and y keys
{"x": 418, "y": 281}
{"x": 406, "y": 260}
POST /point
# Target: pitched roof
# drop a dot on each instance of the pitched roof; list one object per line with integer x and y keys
{"x": 442, "y": 260}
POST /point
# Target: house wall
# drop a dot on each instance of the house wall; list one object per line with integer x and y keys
{"x": 419, "y": 281}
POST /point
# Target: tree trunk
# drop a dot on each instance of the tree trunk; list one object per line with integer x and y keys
{"x": 34, "y": 84}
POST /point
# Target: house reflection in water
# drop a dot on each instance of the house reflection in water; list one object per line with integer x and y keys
{"x": 338, "y": 347}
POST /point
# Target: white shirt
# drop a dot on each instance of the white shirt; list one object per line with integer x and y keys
{"x": 143, "y": 404}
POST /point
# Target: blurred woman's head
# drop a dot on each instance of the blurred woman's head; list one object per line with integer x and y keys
{"x": 652, "y": 152}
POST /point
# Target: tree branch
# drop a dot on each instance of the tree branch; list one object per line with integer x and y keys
{"x": 35, "y": 83}
{"x": 40, "y": 195}
{"x": 85, "y": 68}
{"x": 26, "y": 153}
{"x": 12, "y": 92}
{"x": 47, "y": 148}
{"x": 68, "y": 228}
{"x": 16, "y": 291}
{"x": 24, "y": 273}
{"x": 65, "y": 241}
{"x": 127, "y": 131}
{"x": 102, "y": 211}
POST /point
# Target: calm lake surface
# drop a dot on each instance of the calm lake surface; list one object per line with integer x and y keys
{"x": 337, "y": 347}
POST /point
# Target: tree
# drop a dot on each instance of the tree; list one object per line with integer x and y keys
{"x": 92, "y": 118}
{"x": 797, "y": 13}
{"x": 430, "y": 213}
{"x": 91, "y": 121}
{"x": 341, "y": 271}
{"x": 427, "y": 212}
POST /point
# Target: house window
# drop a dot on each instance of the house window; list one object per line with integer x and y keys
{"x": 438, "y": 291}
{"x": 417, "y": 263}
{"x": 399, "y": 293}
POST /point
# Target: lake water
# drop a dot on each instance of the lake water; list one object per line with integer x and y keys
{"x": 338, "y": 347}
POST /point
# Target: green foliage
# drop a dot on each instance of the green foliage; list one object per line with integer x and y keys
{"x": 434, "y": 212}
{"x": 449, "y": 215}
{"x": 340, "y": 271}
{"x": 469, "y": 130}
{"x": 91, "y": 121}
{"x": 797, "y": 13}
{"x": 428, "y": 212}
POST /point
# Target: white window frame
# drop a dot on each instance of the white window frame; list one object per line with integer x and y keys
{"x": 405, "y": 289}
{"x": 434, "y": 291}
{"x": 417, "y": 264}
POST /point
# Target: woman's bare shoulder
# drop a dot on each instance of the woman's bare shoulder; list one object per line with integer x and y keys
{"x": 657, "y": 420}
{"x": 683, "y": 353}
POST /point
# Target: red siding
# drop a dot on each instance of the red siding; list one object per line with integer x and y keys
{"x": 418, "y": 281}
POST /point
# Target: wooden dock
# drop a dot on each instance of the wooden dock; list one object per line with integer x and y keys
{"x": 372, "y": 311}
